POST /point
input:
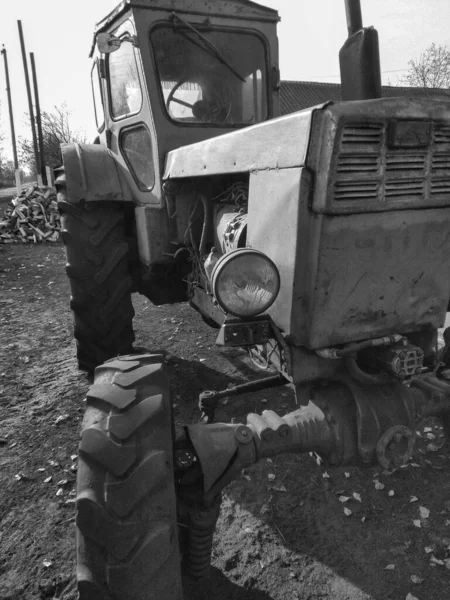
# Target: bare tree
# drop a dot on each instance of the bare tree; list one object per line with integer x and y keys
{"x": 430, "y": 70}
{"x": 56, "y": 130}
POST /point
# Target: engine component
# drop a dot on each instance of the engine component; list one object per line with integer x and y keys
{"x": 395, "y": 447}
{"x": 231, "y": 228}
{"x": 245, "y": 282}
{"x": 401, "y": 360}
{"x": 210, "y": 262}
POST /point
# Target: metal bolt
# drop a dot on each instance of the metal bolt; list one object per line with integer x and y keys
{"x": 183, "y": 459}
{"x": 243, "y": 434}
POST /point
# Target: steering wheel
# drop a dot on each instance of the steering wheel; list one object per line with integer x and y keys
{"x": 215, "y": 110}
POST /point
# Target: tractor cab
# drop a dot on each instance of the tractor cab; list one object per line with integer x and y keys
{"x": 171, "y": 73}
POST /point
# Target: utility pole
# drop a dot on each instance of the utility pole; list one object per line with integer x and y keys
{"x": 11, "y": 121}
{"x": 30, "y": 102}
{"x": 41, "y": 167}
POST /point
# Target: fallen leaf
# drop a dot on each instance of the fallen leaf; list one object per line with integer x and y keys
{"x": 379, "y": 485}
{"x": 280, "y": 488}
{"x": 73, "y": 457}
{"x": 270, "y": 476}
{"x": 389, "y": 568}
{"x": 347, "y": 475}
{"x": 59, "y": 492}
{"x": 62, "y": 482}
{"x": 48, "y": 479}
{"x": 363, "y": 519}
{"x": 247, "y": 477}
{"x": 414, "y": 499}
{"x": 47, "y": 563}
{"x": 424, "y": 512}
{"x": 428, "y": 549}
{"x": 347, "y": 511}
{"x": 264, "y": 509}
{"x": 391, "y": 493}
{"x": 61, "y": 418}
{"x": 417, "y": 523}
{"x": 248, "y": 530}
{"x": 416, "y": 579}
{"x": 447, "y": 563}
{"x": 411, "y": 597}
{"x": 202, "y": 359}
{"x": 427, "y": 429}
{"x": 41, "y": 469}
{"x": 357, "y": 496}
{"x": 325, "y": 475}
{"x": 344, "y": 498}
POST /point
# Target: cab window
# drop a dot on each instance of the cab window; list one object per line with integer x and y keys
{"x": 124, "y": 84}
{"x": 211, "y": 76}
{"x": 98, "y": 96}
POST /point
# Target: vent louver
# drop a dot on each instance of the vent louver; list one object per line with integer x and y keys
{"x": 361, "y": 133}
{"x": 441, "y": 134}
{"x": 354, "y": 190}
{"x": 403, "y": 189}
{"x": 405, "y": 163}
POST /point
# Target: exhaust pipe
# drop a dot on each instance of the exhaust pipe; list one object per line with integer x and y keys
{"x": 359, "y": 58}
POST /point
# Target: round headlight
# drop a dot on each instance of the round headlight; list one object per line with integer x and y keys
{"x": 245, "y": 282}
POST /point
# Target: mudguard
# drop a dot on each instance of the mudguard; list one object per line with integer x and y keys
{"x": 93, "y": 175}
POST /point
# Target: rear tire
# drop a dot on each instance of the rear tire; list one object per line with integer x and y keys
{"x": 127, "y": 545}
{"x": 99, "y": 276}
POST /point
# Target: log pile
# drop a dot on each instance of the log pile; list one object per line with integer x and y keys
{"x": 32, "y": 217}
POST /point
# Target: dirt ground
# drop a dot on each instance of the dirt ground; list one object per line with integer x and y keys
{"x": 282, "y": 534}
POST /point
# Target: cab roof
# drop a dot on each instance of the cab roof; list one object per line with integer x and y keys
{"x": 243, "y": 9}
{"x": 237, "y": 9}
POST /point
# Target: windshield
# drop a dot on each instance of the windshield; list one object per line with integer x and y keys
{"x": 211, "y": 76}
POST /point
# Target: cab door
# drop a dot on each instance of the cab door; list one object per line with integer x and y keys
{"x": 130, "y": 132}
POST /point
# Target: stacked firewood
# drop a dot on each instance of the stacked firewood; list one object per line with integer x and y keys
{"x": 32, "y": 217}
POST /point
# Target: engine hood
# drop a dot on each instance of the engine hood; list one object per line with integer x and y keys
{"x": 276, "y": 144}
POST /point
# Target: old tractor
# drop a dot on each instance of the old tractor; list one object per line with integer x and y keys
{"x": 319, "y": 241}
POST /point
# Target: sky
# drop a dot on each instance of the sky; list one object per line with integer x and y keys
{"x": 310, "y": 34}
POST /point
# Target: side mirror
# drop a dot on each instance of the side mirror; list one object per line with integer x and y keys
{"x": 107, "y": 43}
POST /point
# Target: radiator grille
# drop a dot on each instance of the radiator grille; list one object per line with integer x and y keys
{"x": 371, "y": 171}
{"x": 441, "y": 164}
{"x": 354, "y": 190}
{"x": 361, "y": 133}
{"x": 441, "y": 134}
{"x": 399, "y": 190}
{"x": 400, "y": 162}
{"x": 358, "y": 164}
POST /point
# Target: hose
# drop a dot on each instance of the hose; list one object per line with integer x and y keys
{"x": 361, "y": 376}
{"x": 206, "y": 221}
{"x": 335, "y": 353}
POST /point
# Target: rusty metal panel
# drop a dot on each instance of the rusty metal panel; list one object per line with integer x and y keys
{"x": 278, "y": 225}
{"x": 277, "y": 144}
{"x": 372, "y": 275}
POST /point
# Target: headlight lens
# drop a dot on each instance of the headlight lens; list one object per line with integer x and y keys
{"x": 245, "y": 282}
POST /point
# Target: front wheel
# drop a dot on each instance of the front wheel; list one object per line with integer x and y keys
{"x": 127, "y": 546}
